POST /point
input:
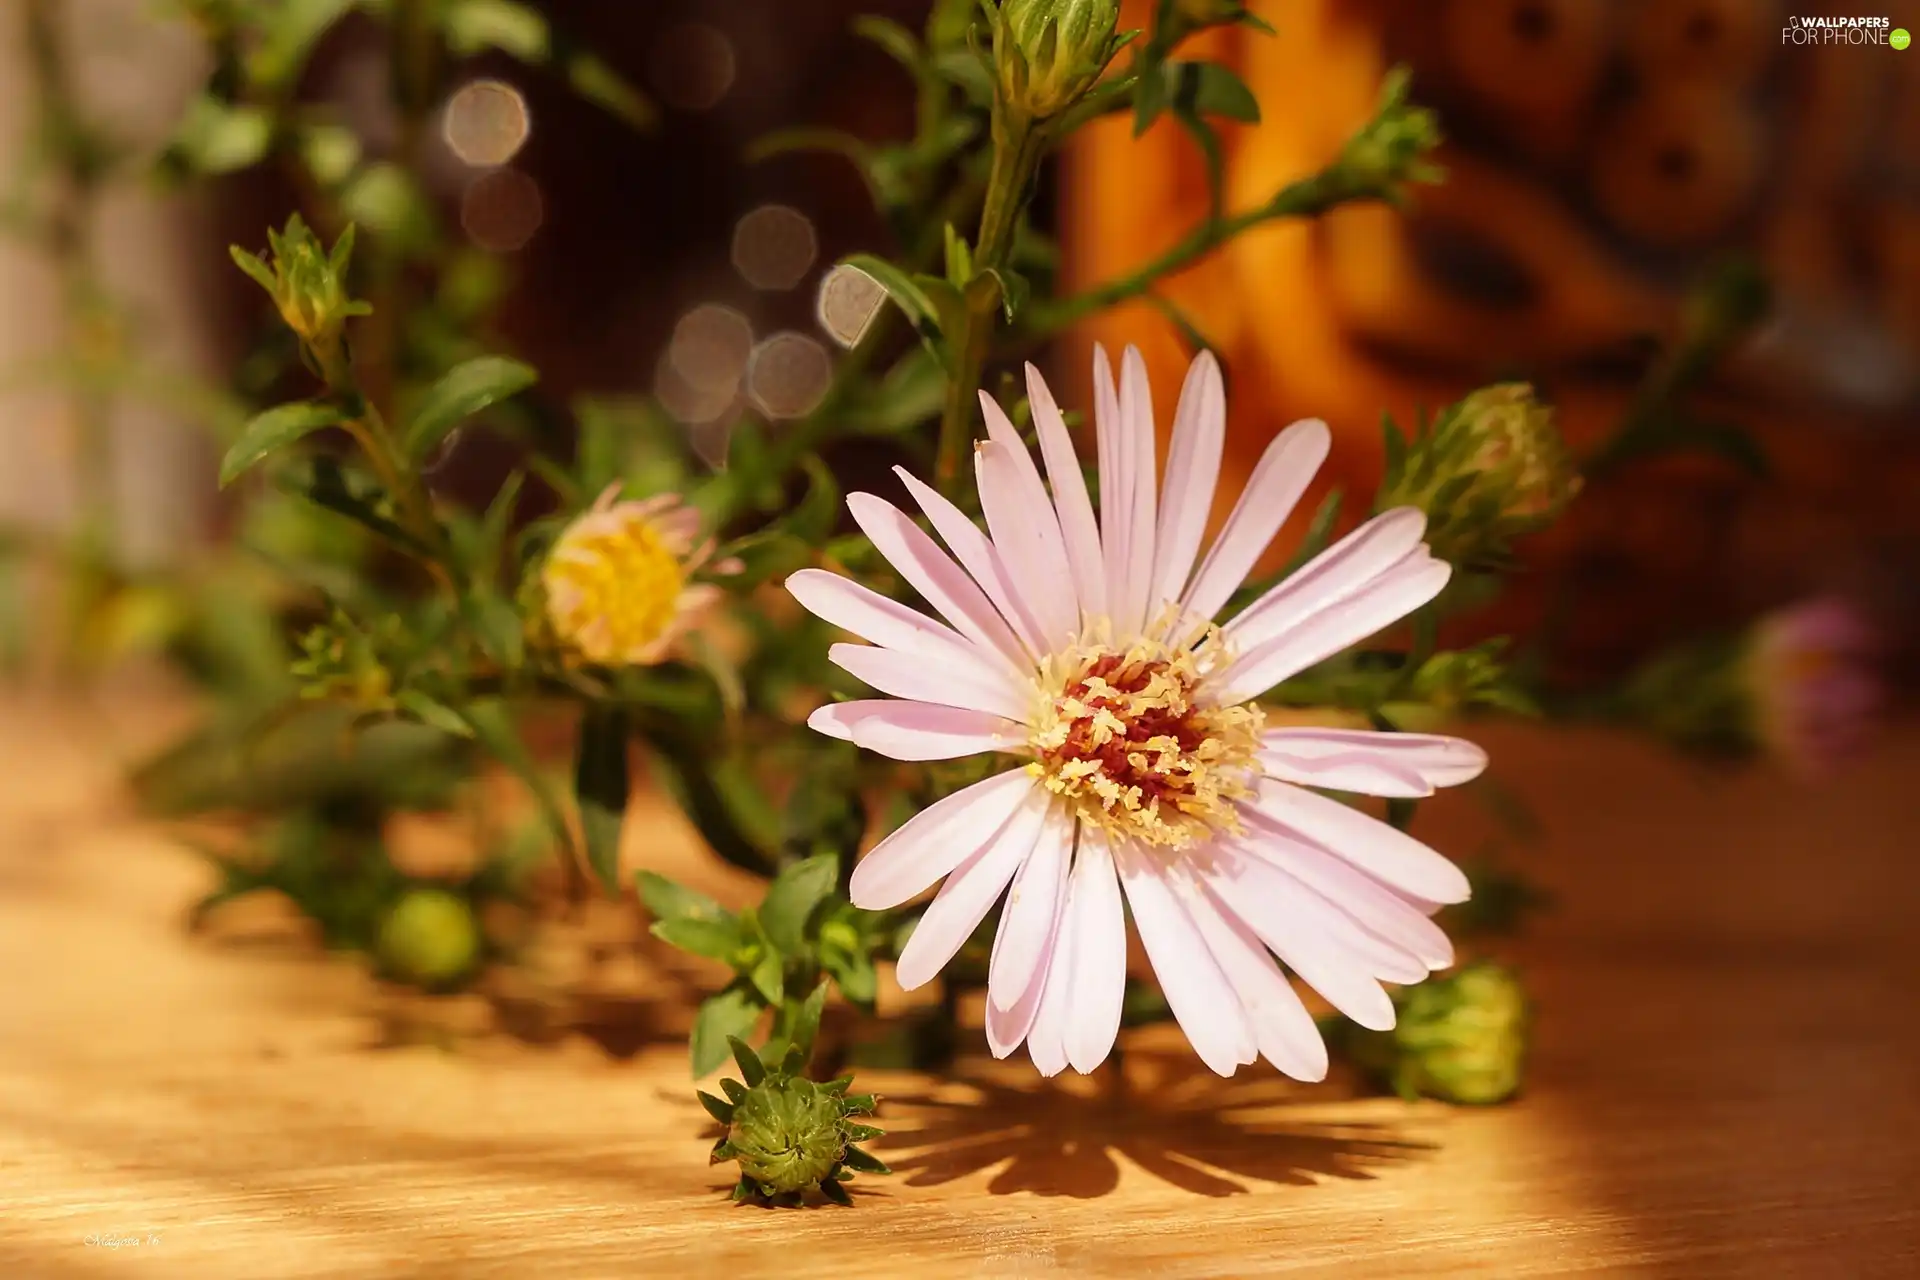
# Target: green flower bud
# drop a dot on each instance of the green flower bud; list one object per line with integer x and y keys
{"x": 1459, "y": 1038}
{"x": 1391, "y": 149}
{"x": 430, "y": 939}
{"x": 1048, "y": 53}
{"x": 1489, "y": 469}
{"x": 787, "y": 1133}
{"x": 308, "y": 287}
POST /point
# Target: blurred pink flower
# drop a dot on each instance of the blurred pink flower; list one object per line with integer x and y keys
{"x": 1086, "y": 651}
{"x": 1812, "y": 672}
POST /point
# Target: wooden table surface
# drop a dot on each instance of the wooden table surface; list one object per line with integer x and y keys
{"x": 1727, "y": 1079}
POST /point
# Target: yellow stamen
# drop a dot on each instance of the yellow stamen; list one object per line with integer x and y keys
{"x": 613, "y": 585}
{"x": 1121, "y": 733}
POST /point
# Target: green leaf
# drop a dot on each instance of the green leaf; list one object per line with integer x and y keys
{"x": 429, "y": 710}
{"x": 1208, "y": 88}
{"x": 598, "y": 83}
{"x": 713, "y": 939}
{"x": 288, "y": 32}
{"x": 805, "y": 1024}
{"x": 752, "y": 1070}
{"x": 275, "y": 429}
{"x": 717, "y": 1108}
{"x": 791, "y": 898}
{"x": 722, "y": 1017}
{"x": 600, "y": 785}
{"x": 669, "y": 901}
{"x": 474, "y": 26}
{"x": 854, "y": 975}
{"x": 898, "y": 42}
{"x": 929, "y": 303}
{"x": 330, "y": 153}
{"x": 328, "y": 484}
{"x": 769, "y": 977}
{"x": 498, "y": 626}
{"x": 463, "y": 392}
{"x": 219, "y": 137}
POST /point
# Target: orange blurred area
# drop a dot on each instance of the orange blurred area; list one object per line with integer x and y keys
{"x": 1600, "y": 157}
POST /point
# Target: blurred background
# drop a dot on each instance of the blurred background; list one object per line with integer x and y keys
{"x": 1602, "y": 155}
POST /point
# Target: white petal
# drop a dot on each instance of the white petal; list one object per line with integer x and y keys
{"x": 1026, "y": 533}
{"x": 1116, "y": 484}
{"x": 871, "y": 616}
{"x": 1202, "y": 1000}
{"x": 936, "y": 840}
{"x": 940, "y": 582}
{"x": 1070, "y": 500}
{"x": 1390, "y": 856}
{"x": 1364, "y": 949}
{"x": 1398, "y": 922}
{"x": 980, "y": 558}
{"x": 1283, "y": 1030}
{"x": 1281, "y": 914}
{"x": 902, "y": 730}
{"x": 1337, "y": 627}
{"x": 1099, "y": 955}
{"x": 969, "y": 893}
{"x": 1340, "y": 572}
{"x": 905, "y": 675}
{"x": 1271, "y": 493}
{"x": 1356, "y": 771}
{"x": 1140, "y": 443}
{"x": 1032, "y": 914}
{"x": 1314, "y": 756}
{"x": 1046, "y": 1039}
{"x": 1006, "y": 1028}
{"x": 1193, "y": 469}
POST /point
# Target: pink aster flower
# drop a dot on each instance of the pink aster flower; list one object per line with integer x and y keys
{"x": 1084, "y": 649}
{"x": 1816, "y": 694}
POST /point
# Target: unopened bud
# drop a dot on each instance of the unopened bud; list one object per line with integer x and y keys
{"x": 1489, "y": 469}
{"x": 430, "y": 939}
{"x": 1459, "y": 1038}
{"x": 1048, "y": 53}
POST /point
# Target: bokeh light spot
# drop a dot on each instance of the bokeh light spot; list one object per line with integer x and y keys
{"x": 710, "y": 348}
{"x": 486, "y": 123}
{"x": 502, "y": 210}
{"x": 788, "y": 375}
{"x": 774, "y": 247}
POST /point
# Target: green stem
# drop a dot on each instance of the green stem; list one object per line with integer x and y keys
{"x": 1308, "y": 197}
{"x": 1017, "y": 148}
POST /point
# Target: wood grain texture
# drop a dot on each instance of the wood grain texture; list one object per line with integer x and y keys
{"x": 1725, "y": 1083}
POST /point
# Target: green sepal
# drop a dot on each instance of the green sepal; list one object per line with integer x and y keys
{"x": 752, "y": 1070}
{"x": 718, "y": 1109}
{"x": 865, "y": 1163}
{"x": 833, "y": 1190}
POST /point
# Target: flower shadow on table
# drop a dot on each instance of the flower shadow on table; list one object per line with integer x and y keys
{"x": 1176, "y": 1121}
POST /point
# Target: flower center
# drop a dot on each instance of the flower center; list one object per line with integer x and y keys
{"x": 1121, "y": 735}
{"x": 613, "y": 585}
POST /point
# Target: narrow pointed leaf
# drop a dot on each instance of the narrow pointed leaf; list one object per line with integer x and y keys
{"x": 464, "y": 391}
{"x": 275, "y": 429}
{"x": 670, "y": 901}
{"x": 719, "y": 1110}
{"x": 600, "y": 784}
{"x": 834, "y": 1191}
